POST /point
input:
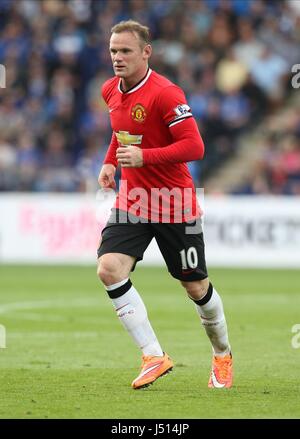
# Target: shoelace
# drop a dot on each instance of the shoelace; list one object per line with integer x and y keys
{"x": 146, "y": 359}
{"x": 223, "y": 365}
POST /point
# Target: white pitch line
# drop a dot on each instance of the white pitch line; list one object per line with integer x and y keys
{"x": 42, "y": 304}
{"x": 36, "y": 317}
{"x": 47, "y": 334}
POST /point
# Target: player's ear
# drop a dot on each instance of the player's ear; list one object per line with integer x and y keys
{"x": 147, "y": 51}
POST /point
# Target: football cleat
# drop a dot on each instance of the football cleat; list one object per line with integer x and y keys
{"x": 152, "y": 368}
{"x": 221, "y": 372}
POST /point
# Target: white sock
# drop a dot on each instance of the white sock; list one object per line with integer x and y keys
{"x": 133, "y": 314}
{"x": 213, "y": 319}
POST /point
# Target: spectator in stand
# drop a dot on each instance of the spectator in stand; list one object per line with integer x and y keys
{"x": 269, "y": 72}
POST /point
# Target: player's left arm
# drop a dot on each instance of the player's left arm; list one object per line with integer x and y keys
{"x": 187, "y": 142}
{"x": 187, "y": 145}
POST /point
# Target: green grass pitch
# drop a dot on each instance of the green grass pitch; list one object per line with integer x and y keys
{"x": 67, "y": 355}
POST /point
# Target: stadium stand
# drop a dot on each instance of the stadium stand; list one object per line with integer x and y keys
{"x": 233, "y": 58}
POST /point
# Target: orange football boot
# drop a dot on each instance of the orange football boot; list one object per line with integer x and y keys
{"x": 152, "y": 368}
{"x": 221, "y": 372}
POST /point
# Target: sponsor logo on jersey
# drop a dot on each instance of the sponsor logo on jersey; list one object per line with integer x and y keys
{"x": 125, "y": 138}
{"x": 138, "y": 113}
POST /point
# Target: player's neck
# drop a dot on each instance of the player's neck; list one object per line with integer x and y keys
{"x": 128, "y": 83}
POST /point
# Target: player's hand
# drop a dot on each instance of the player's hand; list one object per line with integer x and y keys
{"x": 130, "y": 156}
{"x": 106, "y": 177}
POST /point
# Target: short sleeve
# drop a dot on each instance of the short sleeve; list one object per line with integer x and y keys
{"x": 173, "y": 105}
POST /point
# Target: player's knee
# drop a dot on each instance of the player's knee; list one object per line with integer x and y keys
{"x": 107, "y": 270}
{"x": 196, "y": 289}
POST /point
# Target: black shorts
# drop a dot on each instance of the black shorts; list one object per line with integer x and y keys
{"x": 181, "y": 244}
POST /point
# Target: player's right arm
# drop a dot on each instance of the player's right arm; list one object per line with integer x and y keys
{"x": 106, "y": 177}
{"x": 107, "y": 173}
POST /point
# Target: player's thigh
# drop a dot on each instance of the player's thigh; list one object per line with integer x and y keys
{"x": 183, "y": 252}
{"x": 127, "y": 238}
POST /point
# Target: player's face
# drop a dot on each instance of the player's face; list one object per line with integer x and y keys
{"x": 129, "y": 58}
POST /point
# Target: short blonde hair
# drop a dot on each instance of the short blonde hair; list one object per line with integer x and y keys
{"x": 134, "y": 27}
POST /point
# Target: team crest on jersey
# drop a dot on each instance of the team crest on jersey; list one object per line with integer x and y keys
{"x": 138, "y": 113}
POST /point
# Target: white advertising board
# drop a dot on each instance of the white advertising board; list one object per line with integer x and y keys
{"x": 60, "y": 228}
{"x": 252, "y": 231}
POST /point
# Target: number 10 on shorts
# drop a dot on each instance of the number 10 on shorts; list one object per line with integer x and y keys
{"x": 189, "y": 258}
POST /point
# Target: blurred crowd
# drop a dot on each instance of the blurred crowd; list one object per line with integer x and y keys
{"x": 233, "y": 59}
{"x": 276, "y": 169}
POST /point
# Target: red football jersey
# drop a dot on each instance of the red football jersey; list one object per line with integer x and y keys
{"x": 154, "y": 116}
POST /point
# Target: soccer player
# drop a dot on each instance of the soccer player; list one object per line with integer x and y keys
{"x": 154, "y": 135}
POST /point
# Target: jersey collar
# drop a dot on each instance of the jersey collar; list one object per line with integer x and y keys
{"x": 136, "y": 86}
